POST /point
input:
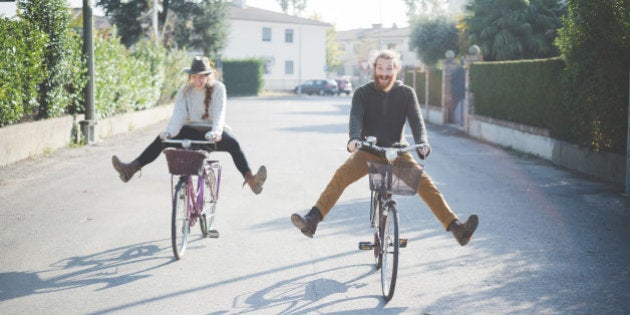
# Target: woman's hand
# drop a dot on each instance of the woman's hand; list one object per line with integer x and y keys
{"x": 213, "y": 136}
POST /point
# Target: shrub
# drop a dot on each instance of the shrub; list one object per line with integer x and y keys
{"x": 59, "y": 88}
{"x": 21, "y": 69}
{"x": 243, "y": 77}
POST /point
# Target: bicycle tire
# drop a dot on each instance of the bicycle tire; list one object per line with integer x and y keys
{"x": 210, "y": 196}
{"x": 378, "y": 257}
{"x": 180, "y": 219}
{"x": 390, "y": 250}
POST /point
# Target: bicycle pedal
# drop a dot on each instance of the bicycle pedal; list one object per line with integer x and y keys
{"x": 402, "y": 242}
{"x": 213, "y": 234}
{"x": 366, "y": 246}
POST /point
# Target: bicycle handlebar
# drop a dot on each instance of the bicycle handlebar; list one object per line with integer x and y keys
{"x": 187, "y": 143}
{"x": 391, "y": 153}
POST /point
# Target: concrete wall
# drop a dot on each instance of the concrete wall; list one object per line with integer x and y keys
{"x": 603, "y": 165}
{"x": 18, "y": 142}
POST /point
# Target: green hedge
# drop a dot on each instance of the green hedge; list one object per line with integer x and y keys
{"x": 243, "y": 77}
{"x": 21, "y": 70}
{"x": 124, "y": 80}
{"x": 530, "y": 92}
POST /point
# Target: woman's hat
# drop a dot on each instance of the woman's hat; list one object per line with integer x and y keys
{"x": 200, "y": 65}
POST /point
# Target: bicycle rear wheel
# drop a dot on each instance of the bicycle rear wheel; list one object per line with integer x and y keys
{"x": 180, "y": 219}
{"x": 389, "y": 249}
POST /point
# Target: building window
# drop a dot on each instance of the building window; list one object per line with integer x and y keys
{"x": 288, "y": 67}
{"x": 288, "y": 36}
{"x": 268, "y": 62}
{"x": 266, "y": 34}
{"x": 391, "y": 46}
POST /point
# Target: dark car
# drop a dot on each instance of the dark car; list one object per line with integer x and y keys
{"x": 344, "y": 85}
{"x": 319, "y": 87}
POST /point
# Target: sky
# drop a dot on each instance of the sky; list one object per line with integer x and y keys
{"x": 343, "y": 14}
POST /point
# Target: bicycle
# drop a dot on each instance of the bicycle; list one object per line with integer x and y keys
{"x": 386, "y": 180}
{"x": 196, "y": 192}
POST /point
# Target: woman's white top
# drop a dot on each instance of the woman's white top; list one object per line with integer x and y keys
{"x": 190, "y": 109}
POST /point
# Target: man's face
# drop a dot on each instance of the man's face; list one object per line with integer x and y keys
{"x": 385, "y": 72}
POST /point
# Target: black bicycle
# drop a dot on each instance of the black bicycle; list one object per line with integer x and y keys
{"x": 387, "y": 180}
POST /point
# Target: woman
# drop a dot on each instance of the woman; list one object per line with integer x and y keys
{"x": 199, "y": 107}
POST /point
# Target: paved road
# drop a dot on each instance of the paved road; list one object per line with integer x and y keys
{"x": 76, "y": 240}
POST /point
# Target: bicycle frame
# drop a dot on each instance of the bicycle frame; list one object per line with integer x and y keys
{"x": 196, "y": 192}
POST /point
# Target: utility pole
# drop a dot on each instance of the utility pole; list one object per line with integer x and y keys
{"x": 87, "y": 125}
{"x": 155, "y": 21}
{"x": 299, "y": 89}
{"x": 628, "y": 143}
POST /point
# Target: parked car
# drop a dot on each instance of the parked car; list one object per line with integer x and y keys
{"x": 344, "y": 85}
{"x": 319, "y": 87}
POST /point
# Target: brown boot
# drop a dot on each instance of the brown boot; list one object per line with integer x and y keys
{"x": 126, "y": 170}
{"x": 256, "y": 182}
{"x": 308, "y": 223}
{"x": 463, "y": 231}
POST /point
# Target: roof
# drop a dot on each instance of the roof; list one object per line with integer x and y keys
{"x": 373, "y": 32}
{"x": 261, "y": 15}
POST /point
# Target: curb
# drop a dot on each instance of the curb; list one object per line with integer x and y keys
{"x": 37, "y": 138}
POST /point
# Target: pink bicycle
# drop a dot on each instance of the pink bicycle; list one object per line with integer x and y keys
{"x": 196, "y": 192}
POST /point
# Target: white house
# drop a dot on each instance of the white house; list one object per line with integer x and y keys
{"x": 293, "y": 48}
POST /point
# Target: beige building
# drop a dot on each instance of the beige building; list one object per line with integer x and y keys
{"x": 293, "y": 49}
{"x": 360, "y": 45}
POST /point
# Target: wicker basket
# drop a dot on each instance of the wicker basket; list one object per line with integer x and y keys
{"x": 404, "y": 180}
{"x": 185, "y": 162}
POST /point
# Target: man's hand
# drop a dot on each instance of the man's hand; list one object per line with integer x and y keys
{"x": 213, "y": 136}
{"x": 424, "y": 151}
{"x": 165, "y": 135}
{"x": 352, "y": 145}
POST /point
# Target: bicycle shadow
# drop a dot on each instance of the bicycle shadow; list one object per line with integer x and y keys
{"x": 82, "y": 271}
{"x": 304, "y": 294}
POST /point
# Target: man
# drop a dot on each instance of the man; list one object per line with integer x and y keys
{"x": 380, "y": 109}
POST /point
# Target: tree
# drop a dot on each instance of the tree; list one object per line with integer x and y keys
{"x": 595, "y": 45}
{"x": 332, "y": 51}
{"x": 196, "y": 24}
{"x": 203, "y": 25}
{"x": 513, "y": 29}
{"x": 297, "y": 6}
{"x": 126, "y": 15}
{"x": 425, "y": 8}
{"x": 432, "y": 37}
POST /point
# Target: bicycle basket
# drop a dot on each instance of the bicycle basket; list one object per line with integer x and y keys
{"x": 404, "y": 180}
{"x": 185, "y": 162}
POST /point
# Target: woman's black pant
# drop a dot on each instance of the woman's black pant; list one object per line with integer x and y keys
{"x": 227, "y": 144}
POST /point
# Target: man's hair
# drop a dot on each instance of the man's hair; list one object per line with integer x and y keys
{"x": 389, "y": 55}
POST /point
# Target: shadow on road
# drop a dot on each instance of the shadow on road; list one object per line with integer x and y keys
{"x": 81, "y": 271}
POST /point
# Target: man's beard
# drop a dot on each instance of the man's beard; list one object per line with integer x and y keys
{"x": 384, "y": 86}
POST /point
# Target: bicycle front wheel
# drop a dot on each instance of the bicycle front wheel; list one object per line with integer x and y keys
{"x": 180, "y": 219}
{"x": 389, "y": 249}
{"x": 374, "y": 213}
